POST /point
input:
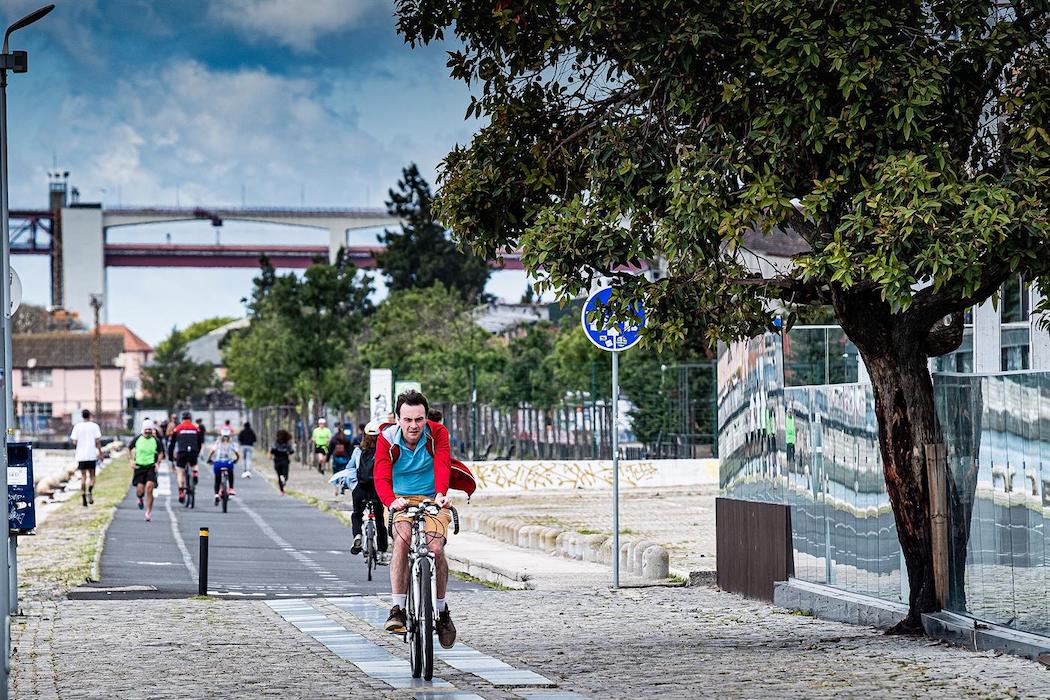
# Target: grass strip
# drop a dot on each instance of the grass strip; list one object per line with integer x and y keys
{"x": 61, "y": 554}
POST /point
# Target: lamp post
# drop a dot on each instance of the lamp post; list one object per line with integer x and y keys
{"x": 16, "y": 62}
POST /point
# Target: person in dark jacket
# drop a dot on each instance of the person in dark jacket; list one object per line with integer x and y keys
{"x": 247, "y": 438}
{"x": 282, "y": 451}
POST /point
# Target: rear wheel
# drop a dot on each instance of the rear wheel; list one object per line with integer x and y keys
{"x": 370, "y": 549}
{"x": 224, "y": 490}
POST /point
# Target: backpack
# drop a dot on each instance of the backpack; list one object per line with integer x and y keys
{"x": 366, "y": 466}
{"x": 460, "y": 476}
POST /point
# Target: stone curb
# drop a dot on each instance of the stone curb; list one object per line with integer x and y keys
{"x": 642, "y": 558}
{"x": 488, "y": 572}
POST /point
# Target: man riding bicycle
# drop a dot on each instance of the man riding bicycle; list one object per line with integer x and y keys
{"x": 321, "y": 437}
{"x": 183, "y": 449}
{"x": 412, "y": 465}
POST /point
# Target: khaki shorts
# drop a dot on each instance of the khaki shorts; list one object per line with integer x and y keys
{"x": 437, "y": 525}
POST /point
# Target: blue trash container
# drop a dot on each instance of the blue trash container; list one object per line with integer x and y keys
{"x": 21, "y": 503}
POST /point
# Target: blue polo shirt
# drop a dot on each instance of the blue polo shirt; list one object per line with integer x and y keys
{"x": 413, "y": 472}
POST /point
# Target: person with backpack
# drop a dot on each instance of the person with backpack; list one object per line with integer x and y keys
{"x": 362, "y": 465}
{"x": 339, "y": 449}
{"x": 184, "y": 447}
{"x": 282, "y": 451}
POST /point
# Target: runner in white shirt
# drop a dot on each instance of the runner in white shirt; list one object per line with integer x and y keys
{"x": 87, "y": 439}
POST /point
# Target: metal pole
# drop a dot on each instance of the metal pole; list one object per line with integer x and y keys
{"x": 474, "y": 411}
{"x": 5, "y": 304}
{"x": 616, "y": 468}
{"x": 12, "y": 546}
{"x": 594, "y": 405}
{"x": 96, "y": 304}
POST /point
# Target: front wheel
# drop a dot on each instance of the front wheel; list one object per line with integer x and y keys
{"x": 426, "y": 619}
{"x": 370, "y": 552}
{"x": 415, "y": 637}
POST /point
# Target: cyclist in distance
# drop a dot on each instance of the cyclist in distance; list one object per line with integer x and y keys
{"x": 223, "y": 455}
{"x": 412, "y": 465}
{"x": 184, "y": 447}
{"x": 321, "y": 437}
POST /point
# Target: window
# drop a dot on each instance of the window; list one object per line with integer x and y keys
{"x": 36, "y": 377}
{"x": 1014, "y": 300}
{"x": 34, "y": 415}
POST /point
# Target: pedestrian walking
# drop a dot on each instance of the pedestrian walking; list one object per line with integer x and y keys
{"x": 247, "y": 439}
{"x": 282, "y": 451}
{"x": 146, "y": 451}
{"x": 87, "y": 443}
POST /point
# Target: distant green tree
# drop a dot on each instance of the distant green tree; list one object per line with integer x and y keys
{"x": 529, "y": 374}
{"x": 301, "y": 328}
{"x": 172, "y": 379}
{"x": 421, "y": 254}
{"x": 429, "y": 335}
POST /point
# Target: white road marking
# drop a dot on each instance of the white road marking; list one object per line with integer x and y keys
{"x": 173, "y": 519}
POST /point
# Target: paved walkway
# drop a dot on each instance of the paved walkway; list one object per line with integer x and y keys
{"x": 572, "y": 637}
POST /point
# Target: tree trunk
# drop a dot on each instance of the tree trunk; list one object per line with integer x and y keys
{"x": 891, "y": 345}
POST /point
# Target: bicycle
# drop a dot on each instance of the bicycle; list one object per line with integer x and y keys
{"x": 225, "y": 469}
{"x": 419, "y": 609}
{"x": 371, "y": 547}
{"x": 191, "y": 484}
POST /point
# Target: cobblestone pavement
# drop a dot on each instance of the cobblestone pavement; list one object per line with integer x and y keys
{"x": 682, "y": 518}
{"x": 636, "y": 642}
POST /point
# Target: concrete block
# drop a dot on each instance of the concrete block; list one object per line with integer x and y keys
{"x": 625, "y": 555}
{"x": 550, "y": 539}
{"x": 636, "y": 567}
{"x": 591, "y": 546}
{"x": 655, "y": 562}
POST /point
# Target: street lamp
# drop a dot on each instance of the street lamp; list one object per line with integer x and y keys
{"x": 16, "y": 62}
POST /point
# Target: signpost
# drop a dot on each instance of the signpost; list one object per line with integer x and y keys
{"x": 614, "y": 338}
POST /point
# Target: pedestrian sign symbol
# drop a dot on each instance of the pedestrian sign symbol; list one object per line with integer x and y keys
{"x": 614, "y": 337}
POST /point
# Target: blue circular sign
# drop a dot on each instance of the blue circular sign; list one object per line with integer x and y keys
{"x": 616, "y": 337}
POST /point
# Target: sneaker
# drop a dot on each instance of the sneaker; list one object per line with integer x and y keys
{"x": 446, "y": 631}
{"x": 141, "y": 504}
{"x": 149, "y": 515}
{"x": 396, "y": 622}
{"x": 356, "y": 548}
{"x": 182, "y": 495}
{"x": 232, "y": 492}
{"x": 91, "y": 497}
{"x": 245, "y": 475}
{"x": 195, "y": 477}
{"x": 83, "y": 497}
{"x": 216, "y": 499}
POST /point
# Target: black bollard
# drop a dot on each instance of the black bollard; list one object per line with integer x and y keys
{"x": 202, "y": 581}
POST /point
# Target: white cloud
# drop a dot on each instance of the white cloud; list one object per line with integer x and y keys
{"x": 293, "y": 23}
{"x": 208, "y": 132}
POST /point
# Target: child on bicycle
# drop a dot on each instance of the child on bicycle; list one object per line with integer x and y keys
{"x": 223, "y": 455}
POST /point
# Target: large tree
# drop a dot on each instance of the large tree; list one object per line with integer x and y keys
{"x": 302, "y": 326}
{"x": 422, "y": 254}
{"x": 904, "y": 142}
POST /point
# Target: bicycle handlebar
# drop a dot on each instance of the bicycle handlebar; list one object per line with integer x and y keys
{"x": 414, "y": 510}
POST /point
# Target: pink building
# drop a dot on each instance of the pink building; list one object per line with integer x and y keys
{"x": 54, "y": 379}
{"x": 137, "y": 354}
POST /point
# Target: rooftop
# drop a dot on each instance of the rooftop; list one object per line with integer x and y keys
{"x": 64, "y": 350}
{"x": 132, "y": 342}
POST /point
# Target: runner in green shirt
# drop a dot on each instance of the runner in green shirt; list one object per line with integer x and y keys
{"x": 146, "y": 451}
{"x": 321, "y": 437}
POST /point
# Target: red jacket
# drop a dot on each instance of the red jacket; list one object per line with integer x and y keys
{"x": 437, "y": 446}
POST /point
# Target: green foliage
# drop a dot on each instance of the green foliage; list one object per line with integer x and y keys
{"x": 422, "y": 255}
{"x": 429, "y": 335}
{"x": 913, "y": 138}
{"x": 298, "y": 344}
{"x": 173, "y": 379}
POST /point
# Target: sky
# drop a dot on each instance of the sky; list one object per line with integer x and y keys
{"x": 222, "y": 102}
